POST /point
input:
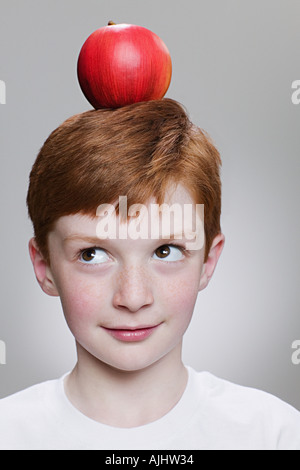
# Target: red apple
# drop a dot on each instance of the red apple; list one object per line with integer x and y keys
{"x": 123, "y": 64}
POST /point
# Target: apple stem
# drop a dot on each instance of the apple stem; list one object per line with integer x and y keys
{"x": 111, "y": 23}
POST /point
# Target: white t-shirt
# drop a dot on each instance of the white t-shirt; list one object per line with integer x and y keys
{"x": 212, "y": 414}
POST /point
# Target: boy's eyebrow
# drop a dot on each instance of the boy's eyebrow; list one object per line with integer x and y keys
{"x": 83, "y": 238}
{"x": 95, "y": 240}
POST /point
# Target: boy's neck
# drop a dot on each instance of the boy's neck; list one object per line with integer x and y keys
{"x": 126, "y": 399}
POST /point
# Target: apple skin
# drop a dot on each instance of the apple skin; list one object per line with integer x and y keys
{"x": 123, "y": 64}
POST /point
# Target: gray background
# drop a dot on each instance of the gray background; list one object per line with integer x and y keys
{"x": 233, "y": 65}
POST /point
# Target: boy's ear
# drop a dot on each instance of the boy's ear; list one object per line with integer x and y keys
{"x": 42, "y": 270}
{"x": 212, "y": 260}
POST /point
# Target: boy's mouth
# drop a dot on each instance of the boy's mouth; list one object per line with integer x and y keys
{"x": 129, "y": 334}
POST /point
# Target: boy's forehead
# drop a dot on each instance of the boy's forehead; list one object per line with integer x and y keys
{"x": 176, "y": 216}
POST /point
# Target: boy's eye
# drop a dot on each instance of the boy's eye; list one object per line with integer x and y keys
{"x": 169, "y": 253}
{"x": 164, "y": 252}
{"x": 93, "y": 256}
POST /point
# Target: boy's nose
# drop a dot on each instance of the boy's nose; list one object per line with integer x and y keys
{"x": 133, "y": 289}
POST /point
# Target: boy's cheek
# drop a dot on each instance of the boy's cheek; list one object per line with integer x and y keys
{"x": 82, "y": 301}
{"x": 181, "y": 292}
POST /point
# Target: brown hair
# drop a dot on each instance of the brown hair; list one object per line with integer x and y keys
{"x": 134, "y": 151}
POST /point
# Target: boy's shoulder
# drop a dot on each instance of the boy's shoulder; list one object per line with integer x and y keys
{"x": 28, "y": 398}
{"x": 242, "y": 406}
{"x": 25, "y": 409}
{"x": 247, "y": 400}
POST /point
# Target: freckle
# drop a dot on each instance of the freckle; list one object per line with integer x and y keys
{"x": 130, "y": 275}
{"x": 179, "y": 287}
{"x": 173, "y": 287}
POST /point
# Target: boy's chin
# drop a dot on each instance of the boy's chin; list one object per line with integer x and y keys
{"x": 133, "y": 362}
{"x": 128, "y": 366}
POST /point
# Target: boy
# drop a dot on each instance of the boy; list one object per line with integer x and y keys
{"x": 128, "y": 291}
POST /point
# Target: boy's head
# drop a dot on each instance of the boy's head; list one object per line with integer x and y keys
{"x": 137, "y": 151}
{"x": 117, "y": 290}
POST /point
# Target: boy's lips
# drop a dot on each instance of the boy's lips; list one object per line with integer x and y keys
{"x": 130, "y": 334}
